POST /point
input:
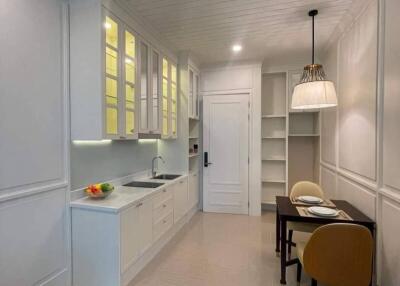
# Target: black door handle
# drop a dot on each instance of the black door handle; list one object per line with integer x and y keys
{"x": 206, "y": 163}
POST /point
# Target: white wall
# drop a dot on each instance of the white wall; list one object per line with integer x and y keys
{"x": 34, "y": 179}
{"x": 242, "y": 78}
{"x": 360, "y": 154}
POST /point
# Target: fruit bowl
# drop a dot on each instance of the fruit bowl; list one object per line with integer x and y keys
{"x": 99, "y": 191}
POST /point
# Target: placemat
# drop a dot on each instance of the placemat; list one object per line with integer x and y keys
{"x": 305, "y": 213}
{"x": 326, "y": 203}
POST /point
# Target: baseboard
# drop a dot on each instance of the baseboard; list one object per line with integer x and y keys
{"x": 148, "y": 256}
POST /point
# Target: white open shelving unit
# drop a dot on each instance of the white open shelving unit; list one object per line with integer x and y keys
{"x": 193, "y": 157}
{"x": 274, "y": 137}
{"x": 289, "y": 138}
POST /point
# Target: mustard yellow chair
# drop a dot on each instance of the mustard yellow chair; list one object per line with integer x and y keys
{"x": 338, "y": 254}
{"x": 302, "y": 188}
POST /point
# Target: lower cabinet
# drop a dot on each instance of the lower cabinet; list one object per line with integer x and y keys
{"x": 163, "y": 212}
{"x": 180, "y": 199}
{"x": 136, "y": 232}
{"x": 193, "y": 190}
{"x": 109, "y": 248}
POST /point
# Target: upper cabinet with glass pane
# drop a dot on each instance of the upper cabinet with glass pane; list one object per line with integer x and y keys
{"x": 103, "y": 74}
{"x": 169, "y": 100}
{"x": 116, "y": 77}
{"x": 194, "y": 81}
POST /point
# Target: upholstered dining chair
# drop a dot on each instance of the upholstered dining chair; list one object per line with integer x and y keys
{"x": 338, "y": 254}
{"x": 302, "y": 188}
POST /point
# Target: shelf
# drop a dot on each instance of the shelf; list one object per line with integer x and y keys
{"x": 273, "y": 116}
{"x": 303, "y": 135}
{"x": 274, "y": 159}
{"x": 273, "y": 137}
{"x": 273, "y": 181}
{"x": 192, "y": 155}
{"x": 304, "y": 111}
{"x": 193, "y": 137}
{"x": 268, "y": 202}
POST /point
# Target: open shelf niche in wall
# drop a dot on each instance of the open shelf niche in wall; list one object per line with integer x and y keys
{"x": 289, "y": 138}
{"x": 193, "y": 156}
{"x": 273, "y": 137}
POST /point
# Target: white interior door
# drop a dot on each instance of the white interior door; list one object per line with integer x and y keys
{"x": 226, "y": 144}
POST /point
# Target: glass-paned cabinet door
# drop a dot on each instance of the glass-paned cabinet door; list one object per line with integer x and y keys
{"x": 174, "y": 103}
{"x": 155, "y": 93}
{"x": 165, "y": 103}
{"x": 196, "y": 96}
{"x": 144, "y": 86}
{"x": 130, "y": 84}
{"x": 111, "y": 76}
{"x": 191, "y": 86}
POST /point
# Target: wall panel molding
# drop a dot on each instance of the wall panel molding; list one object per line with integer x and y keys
{"x": 357, "y": 76}
{"x": 366, "y": 182}
{"x": 362, "y": 198}
{"x": 390, "y": 248}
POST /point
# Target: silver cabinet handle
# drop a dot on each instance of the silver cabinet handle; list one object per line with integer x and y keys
{"x": 139, "y": 205}
{"x": 181, "y": 182}
{"x": 165, "y": 190}
{"x": 164, "y": 205}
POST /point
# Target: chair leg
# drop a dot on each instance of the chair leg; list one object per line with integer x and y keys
{"x": 314, "y": 282}
{"x": 299, "y": 267}
{"x": 290, "y": 242}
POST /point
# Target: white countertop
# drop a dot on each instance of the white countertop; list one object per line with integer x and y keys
{"x": 122, "y": 197}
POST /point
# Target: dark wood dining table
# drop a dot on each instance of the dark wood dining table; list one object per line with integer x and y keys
{"x": 286, "y": 211}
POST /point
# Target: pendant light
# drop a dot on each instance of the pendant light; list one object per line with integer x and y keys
{"x": 314, "y": 91}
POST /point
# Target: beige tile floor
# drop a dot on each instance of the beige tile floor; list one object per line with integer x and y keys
{"x": 220, "y": 249}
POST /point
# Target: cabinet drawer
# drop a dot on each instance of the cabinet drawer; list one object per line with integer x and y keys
{"x": 163, "y": 209}
{"x": 163, "y": 196}
{"x": 163, "y": 225}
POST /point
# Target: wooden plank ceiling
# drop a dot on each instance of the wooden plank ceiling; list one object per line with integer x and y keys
{"x": 266, "y": 29}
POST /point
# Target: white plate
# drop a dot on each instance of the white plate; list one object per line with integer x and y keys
{"x": 310, "y": 199}
{"x": 322, "y": 211}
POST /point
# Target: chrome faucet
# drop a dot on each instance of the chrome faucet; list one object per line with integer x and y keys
{"x": 154, "y": 173}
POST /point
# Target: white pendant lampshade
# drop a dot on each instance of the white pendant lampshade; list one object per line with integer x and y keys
{"x": 314, "y": 94}
{"x": 314, "y": 91}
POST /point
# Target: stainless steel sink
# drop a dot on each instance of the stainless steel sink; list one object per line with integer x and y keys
{"x": 166, "y": 177}
{"x": 151, "y": 185}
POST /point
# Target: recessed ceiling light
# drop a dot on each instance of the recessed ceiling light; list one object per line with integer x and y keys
{"x": 236, "y": 48}
{"x": 107, "y": 25}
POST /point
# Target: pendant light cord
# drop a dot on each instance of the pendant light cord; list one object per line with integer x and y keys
{"x": 312, "y": 14}
{"x": 313, "y": 39}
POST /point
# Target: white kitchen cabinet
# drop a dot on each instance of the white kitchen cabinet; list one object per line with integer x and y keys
{"x": 112, "y": 241}
{"x": 130, "y": 236}
{"x": 169, "y": 99}
{"x": 163, "y": 211}
{"x": 115, "y": 78}
{"x": 194, "y": 90}
{"x": 150, "y": 92}
{"x": 136, "y": 232}
{"x": 145, "y": 225}
{"x": 103, "y": 74}
{"x": 193, "y": 190}
{"x": 180, "y": 199}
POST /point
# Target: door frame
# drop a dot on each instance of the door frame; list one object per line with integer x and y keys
{"x": 252, "y": 192}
